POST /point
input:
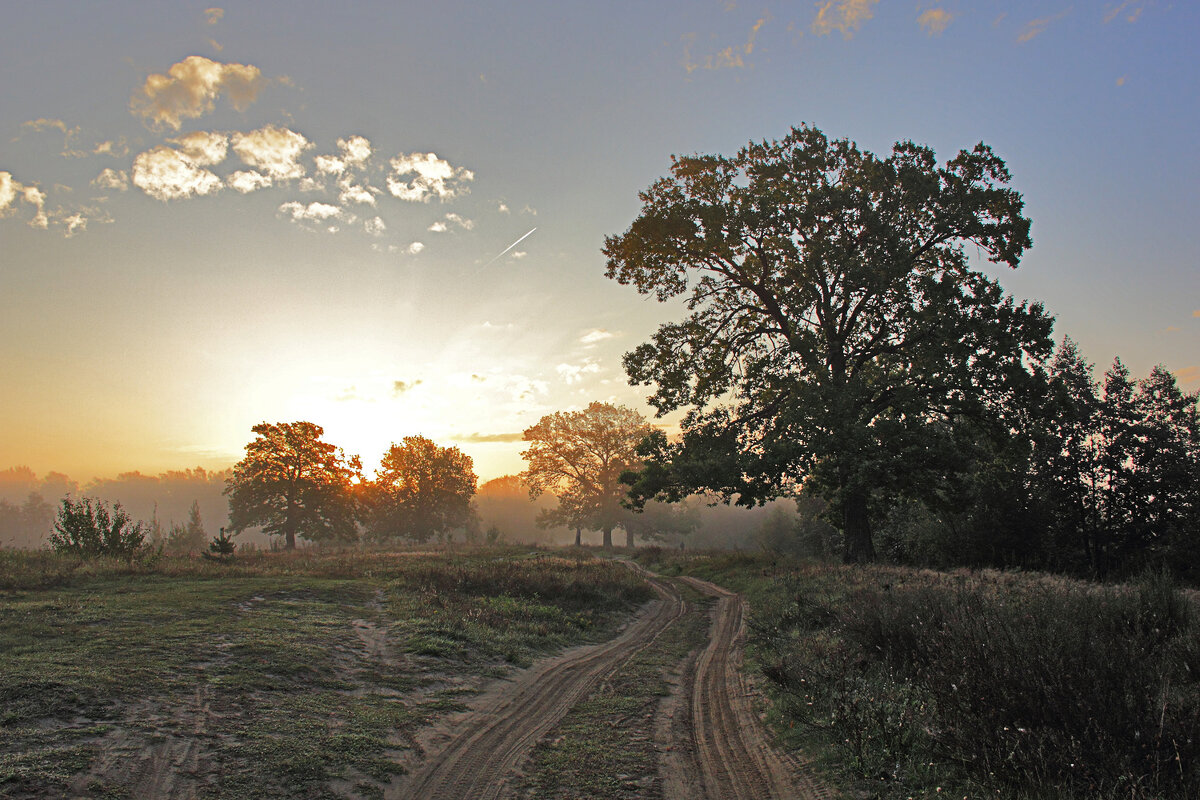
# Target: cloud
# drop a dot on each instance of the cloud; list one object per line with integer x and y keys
{"x": 420, "y": 177}
{"x": 595, "y": 335}
{"x": 375, "y": 227}
{"x": 167, "y": 174}
{"x": 313, "y": 212}
{"x": 272, "y": 150}
{"x": 935, "y": 20}
{"x": 204, "y": 149}
{"x": 489, "y": 438}
{"x": 401, "y": 387}
{"x": 1121, "y": 81}
{"x": 1188, "y": 375}
{"x": 846, "y": 16}
{"x": 1038, "y": 26}
{"x": 113, "y": 179}
{"x": 1131, "y": 8}
{"x": 69, "y": 134}
{"x": 110, "y": 148}
{"x": 190, "y": 87}
{"x": 414, "y": 248}
{"x": 575, "y": 373}
{"x": 353, "y": 153}
{"x": 213, "y": 15}
{"x": 517, "y": 255}
{"x": 452, "y": 219}
{"x": 1195, "y": 313}
{"x": 729, "y": 58}
{"x": 12, "y": 191}
{"x": 354, "y": 193}
{"x": 247, "y": 180}
{"x": 502, "y": 207}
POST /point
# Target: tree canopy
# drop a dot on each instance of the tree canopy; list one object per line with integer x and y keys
{"x": 421, "y": 490}
{"x": 293, "y": 484}
{"x": 835, "y": 323}
{"x": 580, "y": 456}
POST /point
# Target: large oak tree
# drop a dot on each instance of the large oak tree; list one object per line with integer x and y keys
{"x": 421, "y": 489}
{"x": 580, "y": 457}
{"x": 293, "y": 484}
{"x": 836, "y": 323}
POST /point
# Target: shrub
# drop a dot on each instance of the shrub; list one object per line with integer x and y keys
{"x": 88, "y": 528}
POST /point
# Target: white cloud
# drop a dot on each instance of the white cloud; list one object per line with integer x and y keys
{"x": 375, "y": 227}
{"x": 595, "y": 335}
{"x": 167, "y": 174}
{"x": 213, "y": 15}
{"x": 109, "y": 178}
{"x": 272, "y": 150}
{"x": 203, "y": 148}
{"x": 517, "y": 255}
{"x": 313, "y": 212}
{"x": 330, "y": 165}
{"x": 415, "y": 248}
{"x": 355, "y": 150}
{"x": 354, "y": 193}
{"x": 452, "y": 219}
{"x": 575, "y": 373}
{"x": 247, "y": 180}
{"x": 420, "y": 177}
{"x": 190, "y": 87}
{"x": 12, "y": 190}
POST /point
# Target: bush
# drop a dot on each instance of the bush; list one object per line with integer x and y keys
{"x": 89, "y": 528}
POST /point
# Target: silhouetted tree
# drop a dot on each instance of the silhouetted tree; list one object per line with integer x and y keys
{"x": 421, "y": 489}
{"x": 293, "y": 484}
{"x": 580, "y": 456}
{"x": 835, "y": 321}
{"x": 190, "y": 537}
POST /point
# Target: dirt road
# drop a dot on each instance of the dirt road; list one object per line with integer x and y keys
{"x": 718, "y": 749}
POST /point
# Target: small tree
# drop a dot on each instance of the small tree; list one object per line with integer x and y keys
{"x": 221, "y": 547}
{"x": 190, "y": 537}
{"x": 88, "y": 527}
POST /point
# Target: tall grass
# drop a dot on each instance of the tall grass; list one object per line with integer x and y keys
{"x": 1038, "y": 687}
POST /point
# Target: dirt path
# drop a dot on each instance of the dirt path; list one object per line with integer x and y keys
{"x": 717, "y": 748}
{"x": 726, "y": 754}
{"x": 491, "y": 743}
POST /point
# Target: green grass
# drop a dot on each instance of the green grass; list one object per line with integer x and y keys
{"x": 261, "y": 663}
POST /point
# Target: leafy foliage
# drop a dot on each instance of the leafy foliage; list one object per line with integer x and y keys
{"x": 835, "y": 322}
{"x": 581, "y": 456}
{"x": 89, "y": 527}
{"x": 293, "y": 484}
{"x": 421, "y": 490}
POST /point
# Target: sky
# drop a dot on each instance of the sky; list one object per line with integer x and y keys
{"x": 386, "y": 218}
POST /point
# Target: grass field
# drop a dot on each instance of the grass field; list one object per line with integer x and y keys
{"x": 909, "y": 683}
{"x": 278, "y": 675}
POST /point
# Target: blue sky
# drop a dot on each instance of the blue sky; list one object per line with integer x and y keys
{"x": 212, "y": 216}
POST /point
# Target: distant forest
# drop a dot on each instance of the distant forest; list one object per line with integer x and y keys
{"x": 28, "y": 504}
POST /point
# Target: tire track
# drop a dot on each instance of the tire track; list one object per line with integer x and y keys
{"x": 493, "y": 742}
{"x": 729, "y": 749}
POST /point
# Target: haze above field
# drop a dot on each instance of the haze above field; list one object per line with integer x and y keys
{"x": 214, "y": 217}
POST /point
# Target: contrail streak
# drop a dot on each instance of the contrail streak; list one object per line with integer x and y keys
{"x": 505, "y": 250}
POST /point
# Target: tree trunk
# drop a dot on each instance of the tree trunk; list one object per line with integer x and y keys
{"x": 857, "y": 528}
{"x": 290, "y": 539}
{"x": 579, "y": 537}
{"x": 629, "y": 538}
{"x": 608, "y": 538}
